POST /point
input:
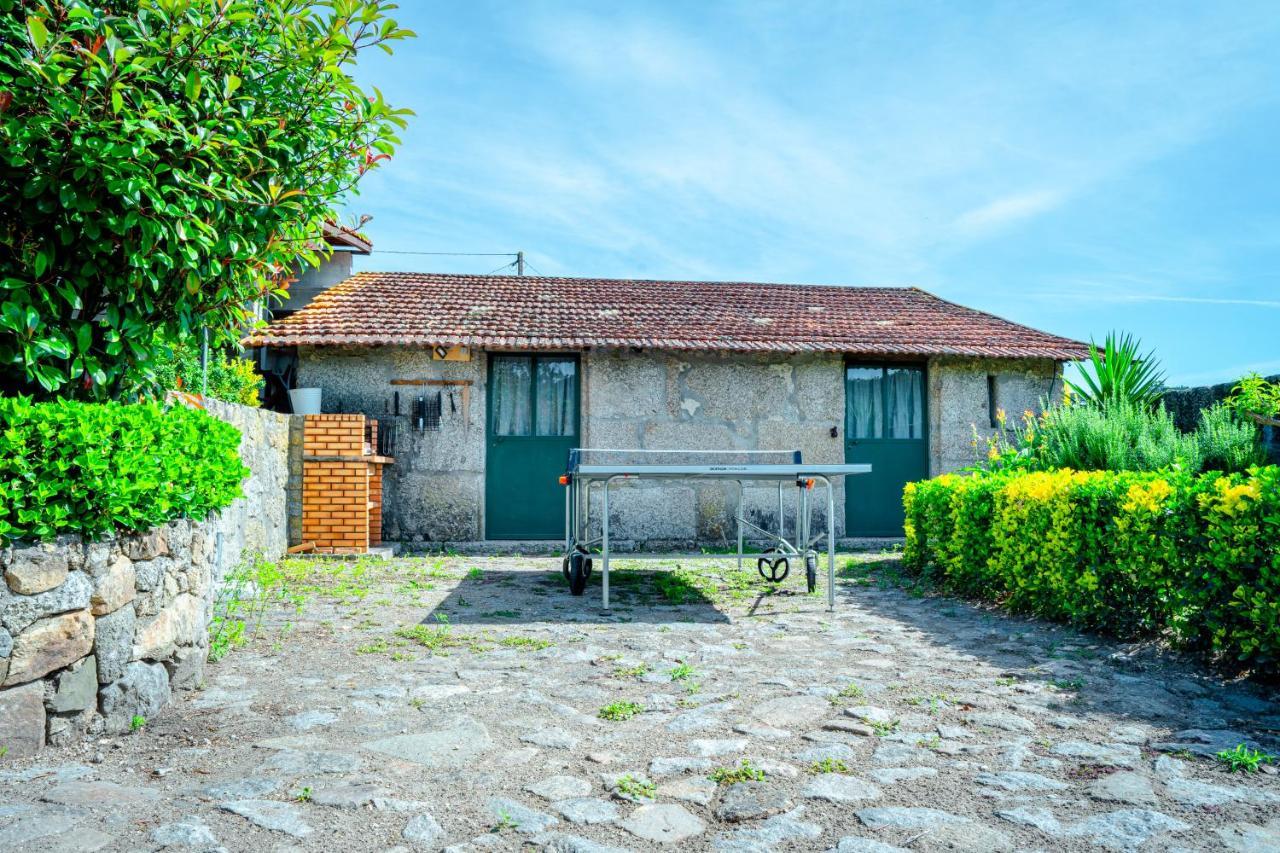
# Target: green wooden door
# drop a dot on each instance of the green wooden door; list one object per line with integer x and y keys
{"x": 885, "y": 425}
{"x": 532, "y": 424}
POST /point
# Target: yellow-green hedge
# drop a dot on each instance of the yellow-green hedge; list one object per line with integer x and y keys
{"x": 1196, "y": 558}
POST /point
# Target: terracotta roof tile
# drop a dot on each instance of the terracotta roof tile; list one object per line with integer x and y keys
{"x": 541, "y": 313}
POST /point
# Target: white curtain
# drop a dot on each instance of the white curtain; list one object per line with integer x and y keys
{"x": 511, "y": 415}
{"x": 863, "y": 388}
{"x": 905, "y": 402}
{"x": 557, "y": 400}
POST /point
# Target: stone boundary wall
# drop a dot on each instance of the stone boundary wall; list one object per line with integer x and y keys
{"x": 93, "y": 634}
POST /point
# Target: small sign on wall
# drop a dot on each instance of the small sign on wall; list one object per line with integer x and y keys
{"x": 455, "y": 353}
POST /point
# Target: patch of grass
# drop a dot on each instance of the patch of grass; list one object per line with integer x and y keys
{"x": 501, "y": 614}
{"x": 620, "y": 711}
{"x": 829, "y": 765}
{"x": 931, "y": 742}
{"x": 137, "y": 722}
{"x": 741, "y": 646}
{"x": 632, "y": 671}
{"x": 681, "y": 672}
{"x": 505, "y": 823}
{"x": 931, "y": 703}
{"x": 402, "y": 656}
{"x": 526, "y": 643}
{"x": 1006, "y": 681}
{"x": 376, "y": 647}
{"x": 884, "y": 728}
{"x": 417, "y": 703}
{"x": 303, "y": 796}
{"x": 437, "y": 639}
{"x": 1242, "y": 759}
{"x": 1071, "y": 684}
{"x": 744, "y": 772}
{"x": 849, "y": 691}
{"x": 475, "y": 573}
{"x": 631, "y": 786}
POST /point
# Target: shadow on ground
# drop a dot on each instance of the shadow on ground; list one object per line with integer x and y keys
{"x": 688, "y": 591}
{"x": 1093, "y": 674}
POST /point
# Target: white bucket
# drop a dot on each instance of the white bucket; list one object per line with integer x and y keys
{"x": 305, "y": 401}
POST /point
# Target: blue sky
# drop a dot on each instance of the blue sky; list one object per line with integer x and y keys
{"x": 1074, "y": 166}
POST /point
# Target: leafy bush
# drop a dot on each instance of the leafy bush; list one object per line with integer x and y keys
{"x": 1195, "y": 557}
{"x": 165, "y": 164}
{"x": 92, "y": 468}
{"x": 1124, "y": 436}
{"x": 231, "y": 378}
{"x": 1254, "y": 395}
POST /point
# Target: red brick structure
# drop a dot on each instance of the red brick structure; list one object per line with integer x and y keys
{"x": 341, "y": 484}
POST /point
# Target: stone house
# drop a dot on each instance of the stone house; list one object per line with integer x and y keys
{"x": 488, "y": 381}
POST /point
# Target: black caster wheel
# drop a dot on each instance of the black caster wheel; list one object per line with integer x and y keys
{"x": 811, "y": 571}
{"x": 578, "y": 573}
{"x": 589, "y": 565}
{"x": 775, "y": 570}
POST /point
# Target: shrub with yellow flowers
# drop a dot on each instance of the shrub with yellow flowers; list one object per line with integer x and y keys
{"x": 1194, "y": 558}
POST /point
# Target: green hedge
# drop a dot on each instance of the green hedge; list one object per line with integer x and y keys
{"x": 1195, "y": 558}
{"x": 92, "y": 468}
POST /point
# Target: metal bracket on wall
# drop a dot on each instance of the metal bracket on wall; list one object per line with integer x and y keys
{"x": 464, "y": 384}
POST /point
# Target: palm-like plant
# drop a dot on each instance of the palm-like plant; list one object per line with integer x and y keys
{"x": 1118, "y": 370}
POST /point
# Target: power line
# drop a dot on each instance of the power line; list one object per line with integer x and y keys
{"x": 501, "y": 268}
{"x": 448, "y": 254}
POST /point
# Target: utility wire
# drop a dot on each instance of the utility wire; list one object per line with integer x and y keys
{"x": 449, "y": 254}
{"x": 501, "y": 268}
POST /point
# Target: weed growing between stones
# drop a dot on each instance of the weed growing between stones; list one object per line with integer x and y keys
{"x": 241, "y": 604}
{"x": 636, "y": 671}
{"x": 849, "y": 691}
{"x": 744, "y": 772}
{"x": 1241, "y": 759}
{"x": 137, "y": 723}
{"x": 619, "y": 712}
{"x": 884, "y": 728}
{"x": 303, "y": 796}
{"x": 828, "y": 765}
{"x": 527, "y": 643}
{"x": 631, "y": 786}
{"x": 680, "y": 672}
{"x": 376, "y": 647}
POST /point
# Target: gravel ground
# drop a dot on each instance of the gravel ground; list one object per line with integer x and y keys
{"x": 472, "y": 703}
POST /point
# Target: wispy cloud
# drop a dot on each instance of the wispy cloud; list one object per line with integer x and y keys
{"x": 1006, "y": 211}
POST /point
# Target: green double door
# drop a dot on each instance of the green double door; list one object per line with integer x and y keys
{"x": 886, "y": 426}
{"x": 532, "y": 424}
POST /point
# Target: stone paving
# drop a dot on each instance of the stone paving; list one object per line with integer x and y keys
{"x": 471, "y": 704}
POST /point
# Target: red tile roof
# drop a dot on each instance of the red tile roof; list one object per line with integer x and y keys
{"x": 539, "y": 313}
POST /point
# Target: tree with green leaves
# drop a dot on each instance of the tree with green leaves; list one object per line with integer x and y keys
{"x": 1119, "y": 371}
{"x": 164, "y": 166}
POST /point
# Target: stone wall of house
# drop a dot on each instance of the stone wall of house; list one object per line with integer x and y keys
{"x": 958, "y": 403}
{"x": 709, "y": 401}
{"x": 93, "y": 634}
{"x": 652, "y": 400}
{"x": 435, "y": 490}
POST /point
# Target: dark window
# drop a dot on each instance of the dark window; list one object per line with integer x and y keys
{"x": 884, "y": 402}
{"x": 993, "y": 400}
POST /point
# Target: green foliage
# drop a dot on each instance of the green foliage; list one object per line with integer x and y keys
{"x": 241, "y": 603}
{"x": 164, "y": 166}
{"x": 744, "y": 772}
{"x": 137, "y": 723}
{"x": 1242, "y": 759}
{"x": 93, "y": 468}
{"x": 231, "y": 378}
{"x": 1118, "y": 371}
{"x": 1254, "y": 395}
{"x": 1124, "y": 436}
{"x": 1195, "y": 558}
{"x": 636, "y": 788}
{"x": 828, "y": 765}
{"x": 619, "y": 712}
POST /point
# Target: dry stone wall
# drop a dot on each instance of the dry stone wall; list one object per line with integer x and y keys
{"x": 94, "y": 634}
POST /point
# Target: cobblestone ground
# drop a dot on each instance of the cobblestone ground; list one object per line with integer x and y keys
{"x": 471, "y": 703}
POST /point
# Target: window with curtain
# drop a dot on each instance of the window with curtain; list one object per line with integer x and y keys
{"x": 863, "y": 387}
{"x": 556, "y": 398}
{"x": 511, "y": 403}
{"x": 904, "y": 402}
